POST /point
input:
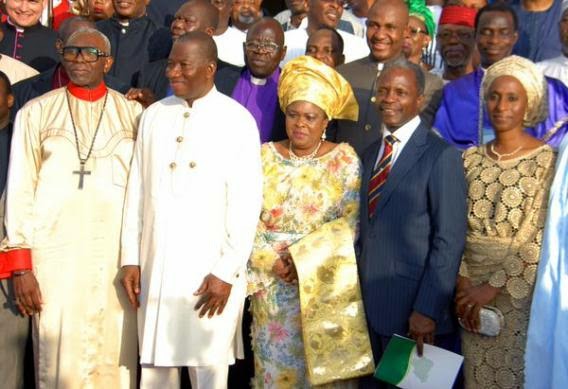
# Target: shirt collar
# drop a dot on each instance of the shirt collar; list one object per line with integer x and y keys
{"x": 200, "y": 102}
{"x": 257, "y": 81}
{"x": 404, "y": 132}
{"x": 86, "y": 94}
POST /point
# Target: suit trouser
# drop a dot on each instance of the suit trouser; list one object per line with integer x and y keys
{"x": 13, "y": 336}
{"x": 201, "y": 377}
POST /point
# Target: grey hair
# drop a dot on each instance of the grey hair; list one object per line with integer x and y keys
{"x": 403, "y": 63}
{"x": 89, "y": 30}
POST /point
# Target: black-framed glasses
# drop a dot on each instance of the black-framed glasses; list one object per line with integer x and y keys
{"x": 89, "y": 54}
{"x": 269, "y": 47}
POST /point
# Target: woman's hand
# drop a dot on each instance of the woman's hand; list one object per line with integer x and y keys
{"x": 469, "y": 301}
{"x": 284, "y": 268}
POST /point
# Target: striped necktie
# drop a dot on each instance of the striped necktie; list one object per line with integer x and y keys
{"x": 380, "y": 174}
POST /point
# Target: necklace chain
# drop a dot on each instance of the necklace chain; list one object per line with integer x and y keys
{"x": 309, "y": 157}
{"x": 83, "y": 161}
{"x": 500, "y": 156}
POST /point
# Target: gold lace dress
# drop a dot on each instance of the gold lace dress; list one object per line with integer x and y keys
{"x": 507, "y": 204}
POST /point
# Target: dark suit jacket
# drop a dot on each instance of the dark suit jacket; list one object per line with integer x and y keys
{"x": 35, "y": 47}
{"x": 134, "y": 46}
{"x": 225, "y": 81}
{"x": 411, "y": 249}
{"x": 37, "y": 85}
{"x": 362, "y": 75}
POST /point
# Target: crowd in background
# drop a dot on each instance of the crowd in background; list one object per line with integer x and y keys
{"x": 281, "y": 187}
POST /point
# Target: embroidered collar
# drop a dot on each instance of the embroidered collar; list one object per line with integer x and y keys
{"x": 83, "y": 93}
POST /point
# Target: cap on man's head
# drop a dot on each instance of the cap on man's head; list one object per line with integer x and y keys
{"x": 458, "y": 15}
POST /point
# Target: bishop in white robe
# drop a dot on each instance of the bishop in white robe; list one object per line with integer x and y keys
{"x": 63, "y": 221}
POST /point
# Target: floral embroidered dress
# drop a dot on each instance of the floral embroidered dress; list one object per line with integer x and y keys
{"x": 299, "y": 197}
{"x": 507, "y": 209}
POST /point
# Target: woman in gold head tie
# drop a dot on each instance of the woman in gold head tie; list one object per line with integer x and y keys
{"x": 509, "y": 180}
{"x": 308, "y": 182}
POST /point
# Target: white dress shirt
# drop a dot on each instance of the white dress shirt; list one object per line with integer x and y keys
{"x": 402, "y": 134}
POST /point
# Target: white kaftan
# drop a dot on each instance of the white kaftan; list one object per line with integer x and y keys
{"x": 193, "y": 202}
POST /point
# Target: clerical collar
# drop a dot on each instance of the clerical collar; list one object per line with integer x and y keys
{"x": 18, "y": 29}
{"x": 83, "y": 93}
{"x": 257, "y": 81}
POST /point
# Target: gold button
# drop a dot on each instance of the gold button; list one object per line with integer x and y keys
{"x": 173, "y": 165}
{"x": 373, "y": 99}
{"x": 179, "y": 139}
{"x": 367, "y": 127}
{"x": 192, "y": 164}
{"x": 186, "y": 115}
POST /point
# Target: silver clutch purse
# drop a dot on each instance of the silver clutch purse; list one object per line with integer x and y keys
{"x": 491, "y": 320}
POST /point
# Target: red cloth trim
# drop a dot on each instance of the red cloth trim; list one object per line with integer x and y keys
{"x": 458, "y": 15}
{"x": 10, "y": 261}
{"x": 83, "y": 93}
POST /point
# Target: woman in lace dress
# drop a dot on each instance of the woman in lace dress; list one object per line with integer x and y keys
{"x": 308, "y": 182}
{"x": 509, "y": 180}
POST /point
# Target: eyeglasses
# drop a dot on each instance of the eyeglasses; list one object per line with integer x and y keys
{"x": 269, "y": 47}
{"x": 89, "y": 54}
{"x": 415, "y": 31}
{"x": 446, "y": 35}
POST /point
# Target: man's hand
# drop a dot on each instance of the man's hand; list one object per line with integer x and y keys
{"x": 144, "y": 96}
{"x": 470, "y": 300}
{"x": 130, "y": 280}
{"x": 27, "y": 293}
{"x": 421, "y": 328}
{"x": 284, "y": 268}
{"x": 214, "y": 294}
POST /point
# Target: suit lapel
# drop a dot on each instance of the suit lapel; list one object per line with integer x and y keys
{"x": 368, "y": 166}
{"x": 410, "y": 155}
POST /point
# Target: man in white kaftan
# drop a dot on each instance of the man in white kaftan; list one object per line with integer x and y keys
{"x": 193, "y": 202}
{"x": 64, "y": 213}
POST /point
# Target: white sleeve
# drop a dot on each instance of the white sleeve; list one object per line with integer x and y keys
{"x": 243, "y": 188}
{"x": 133, "y": 214}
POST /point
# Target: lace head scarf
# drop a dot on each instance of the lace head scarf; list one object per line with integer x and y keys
{"x": 531, "y": 79}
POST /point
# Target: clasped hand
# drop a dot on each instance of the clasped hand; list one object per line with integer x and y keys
{"x": 469, "y": 301}
{"x": 284, "y": 268}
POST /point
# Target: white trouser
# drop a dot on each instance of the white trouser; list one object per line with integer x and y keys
{"x": 201, "y": 377}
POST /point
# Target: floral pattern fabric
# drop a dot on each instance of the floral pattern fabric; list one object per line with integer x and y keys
{"x": 299, "y": 197}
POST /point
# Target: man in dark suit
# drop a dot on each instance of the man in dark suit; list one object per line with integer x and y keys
{"x": 386, "y": 27}
{"x": 413, "y": 219}
{"x": 194, "y": 15}
{"x": 255, "y": 85}
{"x": 135, "y": 39}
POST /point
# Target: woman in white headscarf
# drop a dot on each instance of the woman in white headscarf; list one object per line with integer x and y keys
{"x": 509, "y": 180}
